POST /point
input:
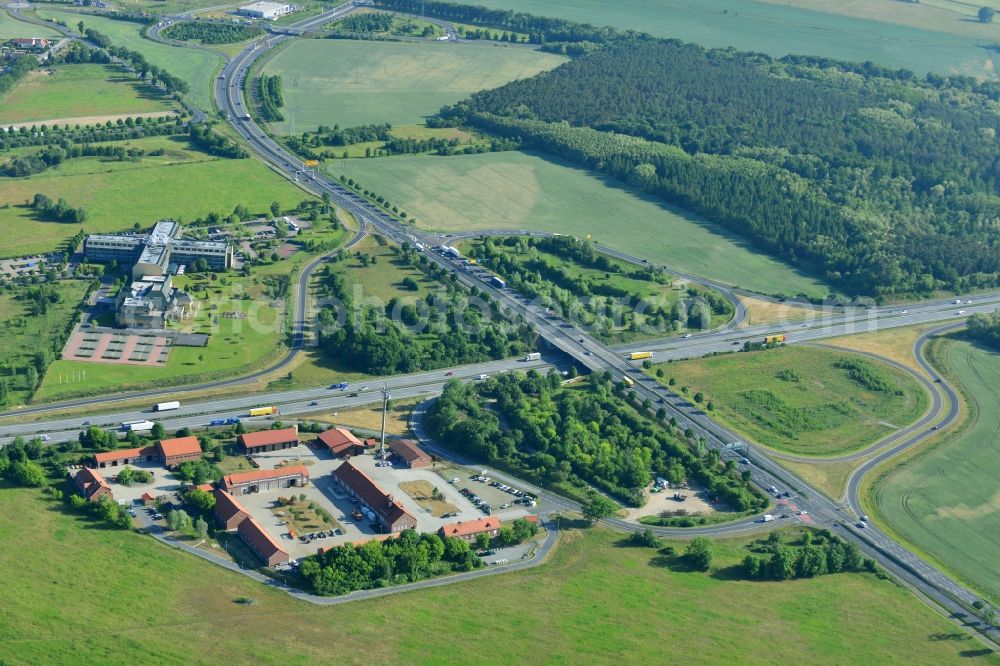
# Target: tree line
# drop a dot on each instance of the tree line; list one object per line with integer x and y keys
{"x": 269, "y": 93}
{"x": 128, "y": 129}
{"x": 212, "y": 33}
{"x": 52, "y": 156}
{"x": 986, "y": 328}
{"x": 137, "y": 61}
{"x": 876, "y": 180}
{"x": 16, "y": 71}
{"x": 366, "y": 23}
{"x": 568, "y": 438}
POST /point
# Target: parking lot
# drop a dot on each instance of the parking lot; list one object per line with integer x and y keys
{"x": 322, "y": 491}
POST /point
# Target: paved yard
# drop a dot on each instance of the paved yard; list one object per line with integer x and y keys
{"x": 163, "y": 483}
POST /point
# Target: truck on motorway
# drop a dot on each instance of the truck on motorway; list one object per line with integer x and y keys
{"x": 637, "y": 356}
{"x": 342, "y": 386}
{"x": 533, "y": 356}
{"x": 497, "y": 282}
{"x": 166, "y": 406}
{"x": 628, "y": 380}
{"x": 137, "y": 426}
{"x": 232, "y": 420}
{"x": 451, "y": 252}
{"x": 767, "y": 518}
{"x": 263, "y": 411}
{"x": 775, "y": 339}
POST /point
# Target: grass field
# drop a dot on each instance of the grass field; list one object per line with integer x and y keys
{"x": 780, "y": 29}
{"x": 350, "y": 83}
{"x": 169, "y": 606}
{"x": 794, "y": 399}
{"x": 947, "y": 501}
{"x": 195, "y": 66}
{"x": 11, "y": 28}
{"x": 21, "y": 334}
{"x": 184, "y": 183}
{"x": 515, "y": 190}
{"x": 72, "y": 91}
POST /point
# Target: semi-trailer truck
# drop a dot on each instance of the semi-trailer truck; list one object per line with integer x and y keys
{"x": 232, "y": 420}
{"x": 636, "y": 356}
{"x": 137, "y": 426}
{"x": 167, "y": 406}
{"x": 533, "y": 356}
{"x": 263, "y": 411}
{"x": 497, "y": 282}
{"x": 774, "y": 339}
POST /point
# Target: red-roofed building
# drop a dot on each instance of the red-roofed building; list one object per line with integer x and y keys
{"x": 470, "y": 529}
{"x": 390, "y": 513}
{"x": 229, "y": 512}
{"x": 340, "y": 442}
{"x": 407, "y": 452}
{"x": 148, "y": 498}
{"x": 269, "y": 440}
{"x": 259, "y": 480}
{"x": 91, "y": 485}
{"x": 262, "y": 543}
{"x": 181, "y": 449}
{"x": 123, "y": 457}
{"x": 31, "y": 43}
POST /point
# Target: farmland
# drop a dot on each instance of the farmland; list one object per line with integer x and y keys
{"x": 516, "y": 190}
{"x": 350, "y": 83}
{"x": 568, "y": 609}
{"x": 182, "y": 183}
{"x": 797, "y": 399}
{"x": 778, "y": 29}
{"x": 193, "y": 65}
{"x": 946, "y": 500}
{"x": 72, "y": 91}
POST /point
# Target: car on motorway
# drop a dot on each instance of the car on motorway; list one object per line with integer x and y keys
{"x": 687, "y": 335}
{"x": 960, "y": 312}
{"x": 862, "y": 524}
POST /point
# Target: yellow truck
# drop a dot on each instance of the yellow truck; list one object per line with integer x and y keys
{"x": 263, "y": 411}
{"x": 638, "y": 356}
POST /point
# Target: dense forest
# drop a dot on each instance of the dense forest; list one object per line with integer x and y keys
{"x": 212, "y": 33}
{"x": 986, "y": 328}
{"x": 587, "y": 434}
{"x": 878, "y": 181}
{"x": 439, "y": 330}
{"x": 269, "y": 94}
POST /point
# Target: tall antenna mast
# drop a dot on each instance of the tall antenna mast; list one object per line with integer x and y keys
{"x": 385, "y": 408}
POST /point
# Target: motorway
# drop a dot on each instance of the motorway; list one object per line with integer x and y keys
{"x": 589, "y": 353}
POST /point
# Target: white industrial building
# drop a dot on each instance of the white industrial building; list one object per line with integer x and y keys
{"x": 266, "y": 10}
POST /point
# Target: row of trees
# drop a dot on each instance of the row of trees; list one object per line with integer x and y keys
{"x": 403, "y": 559}
{"x": 212, "y": 33}
{"x": 54, "y": 155}
{"x": 811, "y": 159}
{"x": 365, "y": 23}
{"x": 269, "y": 93}
{"x": 817, "y": 555}
{"x": 588, "y": 435}
{"x": 59, "y": 210}
{"x": 137, "y": 61}
{"x": 127, "y": 129}
{"x": 868, "y": 376}
{"x": 16, "y": 71}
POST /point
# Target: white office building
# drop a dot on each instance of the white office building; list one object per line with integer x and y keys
{"x": 266, "y": 10}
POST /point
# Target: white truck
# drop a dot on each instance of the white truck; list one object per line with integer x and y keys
{"x": 767, "y": 518}
{"x": 137, "y": 426}
{"x": 167, "y": 406}
{"x": 533, "y": 356}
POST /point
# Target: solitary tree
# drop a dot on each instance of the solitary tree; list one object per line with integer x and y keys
{"x": 699, "y": 553}
{"x": 597, "y": 508}
{"x": 158, "y": 431}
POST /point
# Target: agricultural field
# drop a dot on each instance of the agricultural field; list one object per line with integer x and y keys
{"x": 780, "y": 29}
{"x": 351, "y": 83}
{"x": 183, "y": 183}
{"x": 195, "y": 66}
{"x": 796, "y": 399}
{"x": 569, "y": 609}
{"x": 946, "y": 500}
{"x": 22, "y": 334}
{"x": 11, "y": 28}
{"x": 516, "y": 190}
{"x": 74, "y": 91}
